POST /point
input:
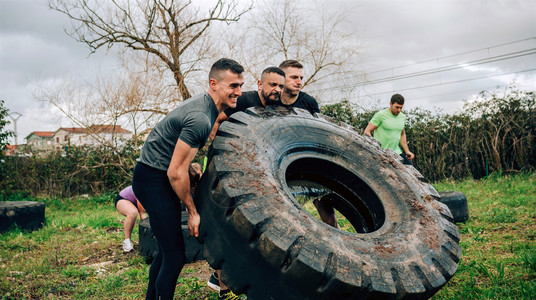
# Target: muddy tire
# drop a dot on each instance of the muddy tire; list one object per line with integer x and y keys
{"x": 457, "y": 203}
{"x": 148, "y": 246}
{"x": 27, "y": 215}
{"x": 269, "y": 247}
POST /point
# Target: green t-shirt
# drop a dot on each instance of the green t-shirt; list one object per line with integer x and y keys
{"x": 389, "y": 129}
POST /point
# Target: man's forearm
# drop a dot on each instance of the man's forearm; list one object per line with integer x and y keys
{"x": 404, "y": 143}
{"x": 181, "y": 186}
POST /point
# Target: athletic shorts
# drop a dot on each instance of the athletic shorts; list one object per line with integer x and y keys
{"x": 121, "y": 198}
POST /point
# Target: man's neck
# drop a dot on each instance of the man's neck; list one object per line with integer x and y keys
{"x": 263, "y": 101}
{"x": 219, "y": 104}
{"x": 287, "y": 99}
{"x": 392, "y": 112}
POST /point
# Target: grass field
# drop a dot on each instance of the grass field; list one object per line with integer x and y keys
{"x": 78, "y": 253}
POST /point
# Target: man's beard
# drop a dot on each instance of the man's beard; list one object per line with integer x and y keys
{"x": 271, "y": 101}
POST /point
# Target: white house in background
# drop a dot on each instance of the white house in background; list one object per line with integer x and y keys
{"x": 92, "y": 135}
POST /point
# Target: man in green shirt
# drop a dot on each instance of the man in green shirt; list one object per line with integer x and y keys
{"x": 388, "y": 127}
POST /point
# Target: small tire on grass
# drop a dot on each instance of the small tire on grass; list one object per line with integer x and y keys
{"x": 457, "y": 203}
{"x": 27, "y": 215}
{"x": 269, "y": 247}
{"x": 148, "y": 246}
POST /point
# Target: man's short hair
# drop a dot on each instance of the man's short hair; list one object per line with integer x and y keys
{"x": 397, "y": 98}
{"x": 290, "y": 63}
{"x": 222, "y": 65}
{"x": 273, "y": 70}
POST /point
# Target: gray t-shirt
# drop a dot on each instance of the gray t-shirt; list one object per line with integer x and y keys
{"x": 191, "y": 122}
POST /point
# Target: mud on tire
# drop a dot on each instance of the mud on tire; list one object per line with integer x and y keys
{"x": 269, "y": 247}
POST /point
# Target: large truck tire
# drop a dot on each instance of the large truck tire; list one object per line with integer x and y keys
{"x": 457, "y": 203}
{"x": 148, "y": 246}
{"x": 269, "y": 247}
{"x": 27, "y": 215}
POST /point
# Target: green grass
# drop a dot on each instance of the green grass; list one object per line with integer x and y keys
{"x": 498, "y": 241}
{"x": 78, "y": 254}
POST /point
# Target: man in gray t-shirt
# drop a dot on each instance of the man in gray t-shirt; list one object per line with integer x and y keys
{"x": 161, "y": 178}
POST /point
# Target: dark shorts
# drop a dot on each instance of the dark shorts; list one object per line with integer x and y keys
{"x": 405, "y": 159}
{"x": 121, "y": 198}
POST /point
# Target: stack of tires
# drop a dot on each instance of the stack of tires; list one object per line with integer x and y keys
{"x": 269, "y": 247}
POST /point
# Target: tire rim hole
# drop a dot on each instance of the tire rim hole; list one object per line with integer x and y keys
{"x": 334, "y": 195}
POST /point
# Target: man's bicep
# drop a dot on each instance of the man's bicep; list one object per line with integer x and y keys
{"x": 182, "y": 156}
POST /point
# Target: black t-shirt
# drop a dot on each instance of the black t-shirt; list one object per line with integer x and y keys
{"x": 191, "y": 122}
{"x": 306, "y": 102}
{"x": 245, "y": 101}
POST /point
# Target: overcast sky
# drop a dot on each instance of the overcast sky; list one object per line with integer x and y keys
{"x": 401, "y": 39}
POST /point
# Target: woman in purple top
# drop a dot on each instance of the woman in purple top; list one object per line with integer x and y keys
{"x": 128, "y": 205}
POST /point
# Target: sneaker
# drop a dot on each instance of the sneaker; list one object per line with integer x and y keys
{"x": 127, "y": 245}
{"x": 228, "y": 295}
{"x": 214, "y": 282}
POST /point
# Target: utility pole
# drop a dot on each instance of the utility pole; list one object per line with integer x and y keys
{"x": 15, "y": 118}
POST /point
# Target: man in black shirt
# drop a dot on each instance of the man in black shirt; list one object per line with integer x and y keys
{"x": 292, "y": 94}
{"x": 269, "y": 92}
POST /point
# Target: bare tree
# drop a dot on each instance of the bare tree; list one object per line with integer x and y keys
{"x": 309, "y": 31}
{"x": 168, "y": 29}
{"x": 136, "y": 96}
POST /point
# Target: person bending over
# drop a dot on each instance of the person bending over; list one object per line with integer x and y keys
{"x": 128, "y": 205}
{"x": 161, "y": 179}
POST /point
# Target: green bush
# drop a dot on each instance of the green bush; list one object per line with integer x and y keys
{"x": 80, "y": 170}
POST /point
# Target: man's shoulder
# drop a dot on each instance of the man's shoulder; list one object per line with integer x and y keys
{"x": 306, "y": 97}
{"x": 194, "y": 103}
{"x": 199, "y": 105}
{"x": 307, "y": 102}
{"x": 249, "y": 98}
{"x": 384, "y": 112}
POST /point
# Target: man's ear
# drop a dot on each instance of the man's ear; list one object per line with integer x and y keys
{"x": 259, "y": 84}
{"x": 212, "y": 83}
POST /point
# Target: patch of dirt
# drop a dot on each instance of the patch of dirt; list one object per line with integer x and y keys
{"x": 199, "y": 269}
{"x": 383, "y": 249}
{"x": 418, "y": 206}
{"x": 113, "y": 229}
{"x": 431, "y": 229}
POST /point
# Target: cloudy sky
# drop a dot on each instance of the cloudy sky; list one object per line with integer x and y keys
{"x": 435, "y": 53}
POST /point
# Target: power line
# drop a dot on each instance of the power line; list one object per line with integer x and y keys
{"x": 453, "y": 55}
{"x": 497, "y": 58}
{"x": 452, "y": 82}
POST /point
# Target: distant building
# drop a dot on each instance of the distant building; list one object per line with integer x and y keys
{"x": 92, "y": 135}
{"x": 40, "y": 141}
{"x": 10, "y": 150}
